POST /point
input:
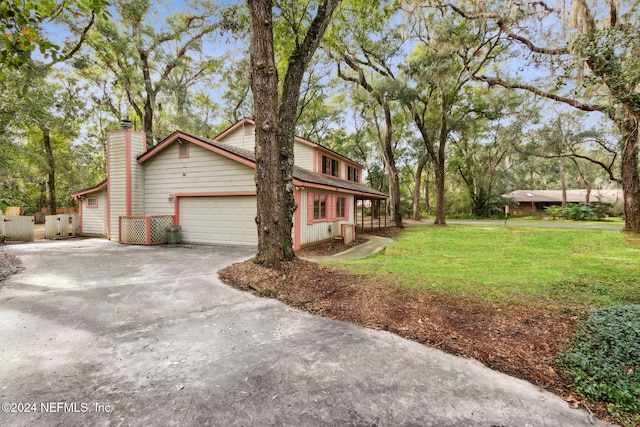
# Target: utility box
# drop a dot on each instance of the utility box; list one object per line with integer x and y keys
{"x": 174, "y": 234}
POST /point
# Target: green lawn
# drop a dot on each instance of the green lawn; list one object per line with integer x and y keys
{"x": 522, "y": 265}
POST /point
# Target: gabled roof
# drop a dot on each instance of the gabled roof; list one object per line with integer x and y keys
{"x": 555, "y": 196}
{"x": 93, "y": 189}
{"x": 301, "y": 140}
{"x": 301, "y": 176}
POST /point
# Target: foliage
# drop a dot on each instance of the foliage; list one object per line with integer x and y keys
{"x": 21, "y": 29}
{"x": 156, "y": 69}
{"x": 567, "y": 267}
{"x": 555, "y": 211}
{"x": 580, "y": 211}
{"x": 604, "y": 359}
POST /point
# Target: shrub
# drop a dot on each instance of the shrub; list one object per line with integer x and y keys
{"x": 578, "y": 212}
{"x": 554, "y": 211}
{"x": 604, "y": 359}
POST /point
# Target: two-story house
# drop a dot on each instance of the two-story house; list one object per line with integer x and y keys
{"x": 207, "y": 186}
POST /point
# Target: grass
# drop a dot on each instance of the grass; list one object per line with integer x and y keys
{"x": 571, "y": 267}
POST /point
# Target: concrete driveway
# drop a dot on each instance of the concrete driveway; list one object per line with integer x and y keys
{"x": 97, "y": 333}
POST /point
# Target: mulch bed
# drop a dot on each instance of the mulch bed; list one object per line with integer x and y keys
{"x": 521, "y": 341}
{"x": 9, "y": 265}
{"x": 329, "y": 247}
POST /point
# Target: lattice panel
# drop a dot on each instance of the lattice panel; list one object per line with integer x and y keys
{"x": 159, "y": 226}
{"x": 133, "y": 230}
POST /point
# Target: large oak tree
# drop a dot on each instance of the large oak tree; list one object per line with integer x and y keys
{"x": 275, "y": 117}
{"x": 592, "y": 52}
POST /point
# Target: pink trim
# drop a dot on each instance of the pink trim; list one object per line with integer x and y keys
{"x": 128, "y": 186}
{"x": 93, "y": 189}
{"x": 309, "y": 208}
{"x": 295, "y": 138}
{"x": 108, "y": 210}
{"x": 180, "y": 156}
{"x": 333, "y": 153}
{"x": 335, "y": 216}
{"x": 176, "y": 203}
{"x": 91, "y": 207}
{"x": 232, "y": 128}
{"x": 300, "y": 183}
{"x": 328, "y": 210}
{"x": 344, "y": 233}
{"x": 321, "y": 170}
{"x": 79, "y": 218}
{"x": 297, "y": 225}
{"x": 197, "y": 142}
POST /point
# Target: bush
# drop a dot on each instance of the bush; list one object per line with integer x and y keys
{"x": 578, "y": 212}
{"x": 554, "y": 211}
{"x": 604, "y": 360}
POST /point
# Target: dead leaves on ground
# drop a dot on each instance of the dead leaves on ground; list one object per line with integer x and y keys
{"x": 516, "y": 340}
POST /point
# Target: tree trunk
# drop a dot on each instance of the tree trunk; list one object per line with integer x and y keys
{"x": 563, "y": 182}
{"x": 52, "y": 171}
{"x": 269, "y": 186}
{"x": 394, "y": 181}
{"x": 584, "y": 179}
{"x": 439, "y": 167}
{"x": 427, "y": 201}
{"x": 416, "y": 190}
{"x": 43, "y": 196}
{"x": 440, "y": 204}
{"x": 275, "y": 127}
{"x": 630, "y": 175}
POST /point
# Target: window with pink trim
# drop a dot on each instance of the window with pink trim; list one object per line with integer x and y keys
{"x": 92, "y": 202}
{"x": 183, "y": 150}
{"x": 319, "y": 206}
{"x": 326, "y": 207}
{"x": 341, "y": 208}
{"x": 330, "y": 166}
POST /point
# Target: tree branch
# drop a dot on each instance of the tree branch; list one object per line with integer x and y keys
{"x": 494, "y": 81}
{"x": 500, "y": 22}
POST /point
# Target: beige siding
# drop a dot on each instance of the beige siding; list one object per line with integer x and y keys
{"x": 117, "y": 181}
{"x": 243, "y": 137}
{"x": 138, "y": 146}
{"x": 311, "y": 233}
{"x": 303, "y": 155}
{"x": 94, "y": 219}
{"x": 203, "y": 172}
{"x": 118, "y": 177}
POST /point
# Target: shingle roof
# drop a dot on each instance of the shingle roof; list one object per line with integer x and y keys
{"x": 573, "y": 196}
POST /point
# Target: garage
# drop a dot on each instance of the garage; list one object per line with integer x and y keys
{"x": 220, "y": 220}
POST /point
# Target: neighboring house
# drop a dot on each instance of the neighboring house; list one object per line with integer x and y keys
{"x": 208, "y": 188}
{"x": 531, "y": 201}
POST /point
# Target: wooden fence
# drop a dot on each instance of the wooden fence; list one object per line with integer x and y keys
{"x": 17, "y": 228}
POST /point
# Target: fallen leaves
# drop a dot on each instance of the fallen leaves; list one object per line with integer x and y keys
{"x": 521, "y": 341}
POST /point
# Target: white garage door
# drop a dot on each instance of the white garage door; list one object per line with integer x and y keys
{"x": 226, "y": 220}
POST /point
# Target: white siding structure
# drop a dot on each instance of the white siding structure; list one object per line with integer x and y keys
{"x": 312, "y": 232}
{"x": 117, "y": 178}
{"x": 125, "y": 177}
{"x": 203, "y": 172}
{"x": 94, "y": 214}
{"x": 208, "y": 188}
{"x": 303, "y": 155}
